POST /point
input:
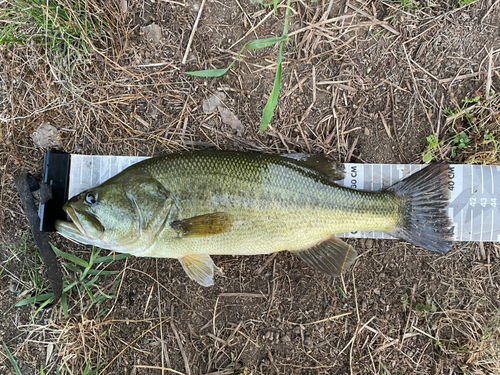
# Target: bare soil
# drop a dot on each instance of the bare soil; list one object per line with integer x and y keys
{"x": 362, "y": 82}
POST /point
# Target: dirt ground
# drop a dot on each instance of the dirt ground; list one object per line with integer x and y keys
{"x": 362, "y": 82}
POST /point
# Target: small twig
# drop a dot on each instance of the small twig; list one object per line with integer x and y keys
{"x": 349, "y": 155}
{"x": 119, "y": 289}
{"x": 489, "y": 10}
{"x": 440, "y": 114}
{"x": 424, "y": 70}
{"x": 248, "y": 295}
{"x": 382, "y": 23}
{"x": 394, "y": 342}
{"x": 488, "y": 78}
{"x": 160, "y": 368}
{"x": 339, "y": 85}
{"x": 223, "y": 342}
{"x": 266, "y": 263}
{"x": 465, "y": 76}
{"x": 192, "y": 32}
{"x": 181, "y": 347}
{"x": 460, "y": 114}
{"x": 388, "y": 131}
{"x": 420, "y": 98}
{"x": 321, "y": 321}
{"x": 252, "y": 29}
{"x": 132, "y": 343}
{"x": 215, "y": 312}
{"x": 163, "y": 349}
{"x": 320, "y": 23}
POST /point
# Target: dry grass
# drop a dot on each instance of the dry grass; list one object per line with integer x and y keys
{"x": 363, "y": 81}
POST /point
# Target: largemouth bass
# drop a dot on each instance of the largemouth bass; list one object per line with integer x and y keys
{"x": 192, "y": 205}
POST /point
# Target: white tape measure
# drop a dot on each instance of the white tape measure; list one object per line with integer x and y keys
{"x": 474, "y": 204}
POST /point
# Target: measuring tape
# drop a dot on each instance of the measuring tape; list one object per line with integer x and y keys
{"x": 473, "y": 208}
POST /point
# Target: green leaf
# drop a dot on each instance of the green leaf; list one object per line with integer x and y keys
{"x": 264, "y": 43}
{"x": 70, "y": 257}
{"x": 89, "y": 283}
{"x": 272, "y": 102}
{"x": 70, "y": 286}
{"x": 99, "y": 272}
{"x": 341, "y": 291}
{"x": 73, "y": 268}
{"x": 427, "y": 157}
{"x": 64, "y": 304}
{"x": 209, "y": 72}
{"x": 11, "y": 359}
{"x": 111, "y": 258}
{"x": 40, "y": 298}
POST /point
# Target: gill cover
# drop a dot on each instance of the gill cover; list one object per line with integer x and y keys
{"x": 124, "y": 214}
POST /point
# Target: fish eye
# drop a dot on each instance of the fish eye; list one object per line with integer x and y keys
{"x": 91, "y": 199}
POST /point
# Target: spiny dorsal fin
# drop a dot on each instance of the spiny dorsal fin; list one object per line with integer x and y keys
{"x": 200, "y": 268}
{"x": 204, "y": 225}
{"x": 331, "y": 256}
{"x": 320, "y": 163}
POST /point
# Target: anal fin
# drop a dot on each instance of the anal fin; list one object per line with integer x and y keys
{"x": 331, "y": 256}
{"x": 200, "y": 268}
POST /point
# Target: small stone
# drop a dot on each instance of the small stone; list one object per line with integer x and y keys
{"x": 308, "y": 342}
{"x": 369, "y": 243}
{"x": 46, "y": 136}
{"x": 211, "y": 103}
{"x": 152, "y": 33}
{"x": 229, "y": 118}
{"x": 123, "y": 6}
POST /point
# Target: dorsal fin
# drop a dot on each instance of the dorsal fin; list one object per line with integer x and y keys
{"x": 334, "y": 171}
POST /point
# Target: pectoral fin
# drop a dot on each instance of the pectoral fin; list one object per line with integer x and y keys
{"x": 331, "y": 256}
{"x": 204, "y": 225}
{"x": 200, "y": 268}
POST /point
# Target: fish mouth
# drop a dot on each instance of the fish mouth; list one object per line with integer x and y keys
{"x": 82, "y": 226}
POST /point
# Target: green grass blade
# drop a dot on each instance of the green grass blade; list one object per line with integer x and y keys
{"x": 209, "y": 72}
{"x": 272, "y": 102}
{"x": 70, "y": 286}
{"x": 40, "y": 298}
{"x": 12, "y": 359}
{"x": 91, "y": 282}
{"x": 73, "y": 268}
{"x": 264, "y": 43}
{"x": 70, "y": 257}
{"x": 64, "y": 304}
{"x": 101, "y": 273}
{"x": 255, "y": 44}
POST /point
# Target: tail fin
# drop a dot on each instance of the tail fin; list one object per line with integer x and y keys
{"x": 424, "y": 219}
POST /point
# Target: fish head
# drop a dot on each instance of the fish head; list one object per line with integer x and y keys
{"x": 118, "y": 215}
